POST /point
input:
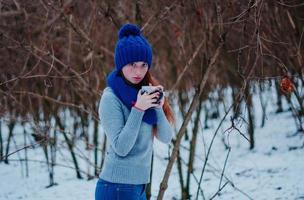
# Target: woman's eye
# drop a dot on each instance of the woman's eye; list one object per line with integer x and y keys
{"x": 145, "y": 65}
{"x": 133, "y": 64}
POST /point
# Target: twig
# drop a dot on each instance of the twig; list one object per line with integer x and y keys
{"x": 229, "y": 149}
{"x": 188, "y": 64}
{"x": 219, "y": 190}
{"x": 25, "y": 147}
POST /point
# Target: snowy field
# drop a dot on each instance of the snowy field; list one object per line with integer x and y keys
{"x": 270, "y": 171}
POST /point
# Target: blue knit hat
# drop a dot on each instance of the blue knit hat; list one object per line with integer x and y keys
{"x": 132, "y": 47}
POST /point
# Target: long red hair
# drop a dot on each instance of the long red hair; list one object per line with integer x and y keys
{"x": 166, "y": 107}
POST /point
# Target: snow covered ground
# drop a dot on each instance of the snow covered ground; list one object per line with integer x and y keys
{"x": 270, "y": 171}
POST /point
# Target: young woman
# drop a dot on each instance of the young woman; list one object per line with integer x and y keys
{"x": 131, "y": 120}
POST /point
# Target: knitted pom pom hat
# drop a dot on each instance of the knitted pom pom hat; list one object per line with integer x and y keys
{"x": 131, "y": 47}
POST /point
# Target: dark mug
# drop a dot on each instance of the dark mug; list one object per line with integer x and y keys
{"x": 151, "y": 90}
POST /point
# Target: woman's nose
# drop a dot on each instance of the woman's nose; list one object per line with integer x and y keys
{"x": 137, "y": 70}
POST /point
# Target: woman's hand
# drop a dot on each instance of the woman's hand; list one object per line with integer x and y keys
{"x": 162, "y": 101}
{"x": 145, "y": 101}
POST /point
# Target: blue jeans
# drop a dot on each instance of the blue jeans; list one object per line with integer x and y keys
{"x": 118, "y": 191}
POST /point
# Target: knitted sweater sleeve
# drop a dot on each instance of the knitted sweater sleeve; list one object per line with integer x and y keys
{"x": 164, "y": 129}
{"x": 122, "y": 137}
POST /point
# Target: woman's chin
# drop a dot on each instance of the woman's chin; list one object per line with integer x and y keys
{"x": 135, "y": 81}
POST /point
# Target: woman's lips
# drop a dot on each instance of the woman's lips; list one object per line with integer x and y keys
{"x": 137, "y": 78}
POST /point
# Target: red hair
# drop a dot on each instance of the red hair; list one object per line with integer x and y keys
{"x": 166, "y": 107}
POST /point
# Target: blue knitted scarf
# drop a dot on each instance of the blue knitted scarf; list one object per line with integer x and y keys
{"x": 127, "y": 93}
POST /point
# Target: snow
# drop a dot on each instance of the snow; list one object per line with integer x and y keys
{"x": 270, "y": 171}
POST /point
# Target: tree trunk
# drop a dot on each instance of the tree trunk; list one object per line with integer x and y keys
{"x": 70, "y": 146}
{"x": 95, "y": 138}
{"x": 206, "y": 117}
{"x": 180, "y": 174}
{"x": 10, "y": 135}
{"x": 279, "y": 98}
{"x": 53, "y": 148}
{"x": 237, "y": 102}
{"x": 249, "y": 104}
{"x": 182, "y": 104}
{"x": 193, "y": 148}
{"x": 295, "y": 114}
{"x": 300, "y": 111}
{"x": 25, "y": 152}
{"x": 263, "y": 105}
{"x": 138, "y": 15}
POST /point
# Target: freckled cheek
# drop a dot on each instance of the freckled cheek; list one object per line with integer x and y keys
{"x": 129, "y": 72}
{"x": 144, "y": 71}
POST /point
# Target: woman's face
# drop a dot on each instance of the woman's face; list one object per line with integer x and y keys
{"x": 135, "y": 72}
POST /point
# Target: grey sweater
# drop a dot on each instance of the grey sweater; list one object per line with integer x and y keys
{"x": 129, "y": 140}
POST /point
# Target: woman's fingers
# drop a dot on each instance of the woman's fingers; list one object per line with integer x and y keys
{"x": 156, "y": 94}
{"x": 161, "y": 87}
{"x": 151, "y": 96}
{"x": 153, "y": 100}
{"x": 146, "y": 100}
